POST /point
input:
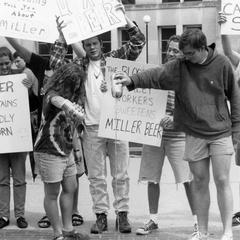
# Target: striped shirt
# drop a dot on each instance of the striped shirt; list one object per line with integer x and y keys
{"x": 172, "y": 133}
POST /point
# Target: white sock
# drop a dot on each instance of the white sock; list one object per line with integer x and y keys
{"x": 154, "y": 217}
{"x": 194, "y": 219}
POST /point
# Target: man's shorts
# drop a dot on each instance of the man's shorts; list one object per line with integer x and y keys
{"x": 153, "y": 159}
{"x": 53, "y": 168}
{"x": 199, "y": 148}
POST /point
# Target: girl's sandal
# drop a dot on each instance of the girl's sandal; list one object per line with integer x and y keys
{"x": 77, "y": 220}
{"x": 44, "y": 222}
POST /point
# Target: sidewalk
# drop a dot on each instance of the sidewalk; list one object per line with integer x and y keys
{"x": 175, "y": 220}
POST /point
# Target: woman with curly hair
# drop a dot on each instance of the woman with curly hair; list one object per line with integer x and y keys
{"x": 62, "y": 114}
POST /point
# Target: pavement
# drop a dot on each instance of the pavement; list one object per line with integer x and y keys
{"x": 175, "y": 221}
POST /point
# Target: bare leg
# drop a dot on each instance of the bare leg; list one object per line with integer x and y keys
{"x": 153, "y": 197}
{"x": 69, "y": 185}
{"x": 75, "y": 197}
{"x": 189, "y": 192}
{"x": 51, "y": 206}
{"x": 221, "y": 168}
{"x": 200, "y": 184}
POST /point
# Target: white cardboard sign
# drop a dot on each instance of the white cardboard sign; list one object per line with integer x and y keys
{"x": 231, "y": 9}
{"x": 136, "y": 116}
{"x": 31, "y": 20}
{"x": 88, "y": 18}
{"x": 15, "y": 126}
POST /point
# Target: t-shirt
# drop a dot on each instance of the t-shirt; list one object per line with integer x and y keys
{"x": 55, "y": 135}
{"x": 94, "y": 95}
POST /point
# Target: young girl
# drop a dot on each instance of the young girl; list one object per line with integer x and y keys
{"x": 54, "y": 146}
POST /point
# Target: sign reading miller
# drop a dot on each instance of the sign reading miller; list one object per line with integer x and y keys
{"x": 136, "y": 116}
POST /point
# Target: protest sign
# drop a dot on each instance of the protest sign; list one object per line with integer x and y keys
{"x": 231, "y": 9}
{"x": 136, "y": 116}
{"x": 88, "y": 18}
{"x": 15, "y": 127}
{"x": 31, "y": 20}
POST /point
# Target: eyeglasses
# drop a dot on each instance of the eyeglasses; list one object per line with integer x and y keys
{"x": 189, "y": 54}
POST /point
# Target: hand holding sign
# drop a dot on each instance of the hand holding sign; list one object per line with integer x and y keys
{"x": 60, "y": 26}
{"x": 222, "y": 18}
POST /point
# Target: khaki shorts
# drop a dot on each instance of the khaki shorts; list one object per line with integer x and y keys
{"x": 53, "y": 168}
{"x": 153, "y": 160}
{"x": 199, "y": 148}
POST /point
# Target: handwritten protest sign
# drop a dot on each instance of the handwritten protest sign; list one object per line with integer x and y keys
{"x": 15, "y": 127}
{"x": 88, "y": 18}
{"x": 31, "y": 20}
{"x": 134, "y": 117}
{"x": 231, "y": 9}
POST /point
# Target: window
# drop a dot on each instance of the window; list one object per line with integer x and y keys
{"x": 124, "y": 36}
{"x": 193, "y": 26}
{"x": 128, "y": 2}
{"x": 166, "y": 33}
{"x": 170, "y": 1}
{"x": 106, "y": 39}
{"x": 45, "y": 48}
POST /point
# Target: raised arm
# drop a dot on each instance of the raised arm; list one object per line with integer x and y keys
{"x": 132, "y": 49}
{"x": 227, "y": 49}
{"x": 24, "y": 52}
{"x": 78, "y": 49}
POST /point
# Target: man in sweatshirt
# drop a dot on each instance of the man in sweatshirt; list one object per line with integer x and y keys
{"x": 203, "y": 82}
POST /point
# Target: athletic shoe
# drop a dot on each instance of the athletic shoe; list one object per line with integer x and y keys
{"x": 147, "y": 228}
{"x": 198, "y": 236}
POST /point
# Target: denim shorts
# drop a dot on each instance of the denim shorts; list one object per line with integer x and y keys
{"x": 199, "y": 148}
{"x": 53, "y": 168}
{"x": 153, "y": 159}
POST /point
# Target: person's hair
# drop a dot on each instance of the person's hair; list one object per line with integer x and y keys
{"x": 16, "y": 55}
{"x": 173, "y": 38}
{"x": 5, "y": 52}
{"x": 99, "y": 37}
{"x": 67, "y": 76}
{"x": 194, "y": 38}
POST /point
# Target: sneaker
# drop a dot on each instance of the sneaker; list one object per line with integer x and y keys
{"x": 21, "y": 222}
{"x": 74, "y": 235}
{"x": 236, "y": 219}
{"x": 147, "y": 228}
{"x": 100, "y": 225}
{"x": 195, "y": 227}
{"x": 3, "y": 222}
{"x": 227, "y": 237}
{"x": 122, "y": 223}
{"x": 198, "y": 236}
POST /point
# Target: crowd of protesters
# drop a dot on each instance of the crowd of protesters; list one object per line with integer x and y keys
{"x": 201, "y": 127}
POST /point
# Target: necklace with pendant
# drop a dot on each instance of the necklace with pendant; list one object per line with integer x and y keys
{"x": 96, "y": 75}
